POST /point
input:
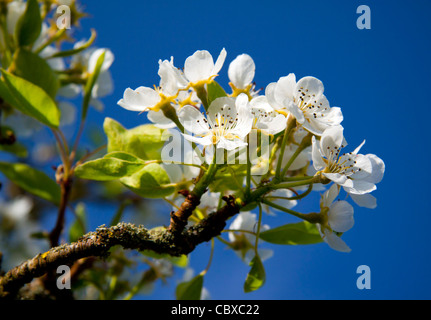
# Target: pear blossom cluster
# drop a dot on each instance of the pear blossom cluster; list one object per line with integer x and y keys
{"x": 289, "y": 105}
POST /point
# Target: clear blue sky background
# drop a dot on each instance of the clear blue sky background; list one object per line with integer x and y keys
{"x": 379, "y": 77}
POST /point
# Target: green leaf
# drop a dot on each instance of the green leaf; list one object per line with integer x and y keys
{"x": 151, "y": 181}
{"x": 256, "y": 277}
{"x": 88, "y": 89}
{"x": 215, "y": 91}
{"x": 33, "y": 68}
{"x": 145, "y": 141}
{"x": 29, "y": 25}
{"x": 72, "y": 52}
{"x": 17, "y": 149}
{"x": 32, "y": 181}
{"x": 301, "y": 233}
{"x": 29, "y": 99}
{"x": 181, "y": 261}
{"x": 79, "y": 227}
{"x": 228, "y": 178}
{"x": 190, "y": 290}
{"x": 111, "y": 167}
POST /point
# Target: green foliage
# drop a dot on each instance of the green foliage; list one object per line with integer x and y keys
{"x": 68, "y": 53}
{"x": 90, "y": 85}
{"x": 215, "y": 91}
{"x": 29, "y": 25}
{"x": 111, "y": 167}
{"x": 151, "y": 181}
{"x": 32, "y": 181}
{"x": 33, "y": 68}
{"x": 300, "y": 233}
{"x": 145, "y": 141}
{"x": 256, "y": 277}
{"x": 190, "y": 290}
{"x": 29, "y": 99}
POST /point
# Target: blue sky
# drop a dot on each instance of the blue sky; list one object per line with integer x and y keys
{"x": 380, "y": 79}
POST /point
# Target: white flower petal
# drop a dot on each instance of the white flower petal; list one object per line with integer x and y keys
{"x": 159, "y": 120}
{"x": 220, "y": 61}
{"x": 241, "y": 71}
{"x": 200, "y": 66}
{"x": 285, "y": 88}
{"x": 340, "y": 216}
{"x": 140, "y": 99}
{"x": 310, "y": 86}
{"x": 193, "y": 120}
{"x": 330, "y": 195}
{"x": 224, "y": 143}
{"x": 339, "y": 179}
{"x": 316, "y": 155}
{"x": 360, "y": 187}
{"x": 364, "y": 200}
{"x": 378, "y": 168}
{"x": 336, "y": 243}
{"x": 332, "y": 139}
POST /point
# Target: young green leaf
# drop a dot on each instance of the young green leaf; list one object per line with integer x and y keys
{"x": 300, "y": 233}
{"x": 215, "y": 91}
{"x": 113, "y": 166}
{"x": 151, "y": 181}
{"x": 33, "y": 68}
{"x": 29, "y": 99}
{"x": 29, "y": 25}
{"x": 256, "y": 277}
{"x": 17, "y": 149}
{"x": 190, "y": 290}
{"x": 91, "y": 81}
{"x": 72, "y": 52}
{"x": 145, "y": 141}
{"x": 32, "y": 181}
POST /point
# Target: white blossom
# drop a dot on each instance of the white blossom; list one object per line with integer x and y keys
{"x": 265, "y": 116}
{"x": 200, "y": 68}
{"x": 339, "y": 218}
{"x": 305, "y": 101}
{"x": 228, "y": 122}
{"x": 355, "y": 172}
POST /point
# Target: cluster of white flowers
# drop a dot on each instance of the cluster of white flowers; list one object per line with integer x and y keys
{"x": 227, "y": 121}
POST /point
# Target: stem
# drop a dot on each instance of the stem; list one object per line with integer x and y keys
{"x": 306, "y": 142}
{"x": 293, "y": 184}
{"x": 291, "y": 124}
{"x": 78, "y": 137}
{"x": 258, "y": 229}
{"x": 310, "y": 217}
{"x": 62, "y": 151}
{"x": 202, "y": 95}
{"x": 54, "y": 236}
{"x": 248, "y": 177}
{"x": 204, "y": 272}
{"x": 170, "y": 113}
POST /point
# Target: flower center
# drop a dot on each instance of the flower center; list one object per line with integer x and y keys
{"x": 309, "y": 104}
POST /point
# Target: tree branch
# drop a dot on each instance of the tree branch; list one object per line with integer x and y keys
{"x": 99, "y": 242}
